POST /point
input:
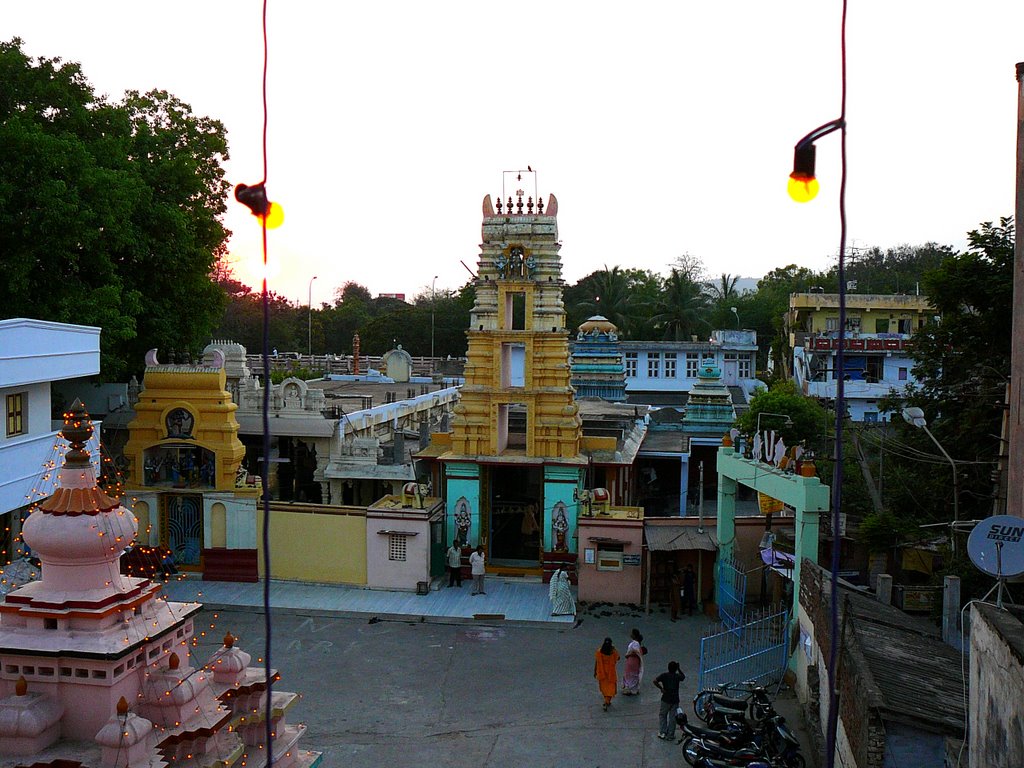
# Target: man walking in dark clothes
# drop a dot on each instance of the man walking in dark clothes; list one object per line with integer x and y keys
{"x": 675, "y": 587}
{"x": 689, "y": 589}
{"x": 668, "y": 684}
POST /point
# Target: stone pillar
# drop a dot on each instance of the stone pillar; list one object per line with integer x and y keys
{"x": 883, "y": 591}
{"x": 684, "y": 484}
{"x": 726, "y": 525}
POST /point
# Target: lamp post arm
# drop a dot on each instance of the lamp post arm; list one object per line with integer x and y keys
{"x": 956, "y": 481}
{"x": 820, "y": 131}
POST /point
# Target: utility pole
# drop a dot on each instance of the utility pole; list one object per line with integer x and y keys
{"x": 1015, "y": 479}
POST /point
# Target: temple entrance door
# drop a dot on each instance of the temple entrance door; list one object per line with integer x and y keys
{"x": 181, "y": 528}
{"x": 516, "y": 516}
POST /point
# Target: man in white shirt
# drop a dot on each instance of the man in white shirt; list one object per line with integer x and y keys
{"x": 454, "y": 557}
{"x": 476, "y": 564}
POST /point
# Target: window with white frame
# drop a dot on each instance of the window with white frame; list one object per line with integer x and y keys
{"x": 631, "y": 365}
{"x": 746, "y": 368}
{"x": 692, "y": 365}
{"x": 670, "y": 365}
{"x": 653, "y": 365}
{"x": 831, "y": 323}
{"x": 396, "y": 546}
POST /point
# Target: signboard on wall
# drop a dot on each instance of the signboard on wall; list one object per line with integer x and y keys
{"x": 631, "y": 559}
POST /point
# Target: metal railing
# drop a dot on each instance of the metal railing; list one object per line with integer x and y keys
{"x": 756, "y": 649}
{"x": 732, "y": 591}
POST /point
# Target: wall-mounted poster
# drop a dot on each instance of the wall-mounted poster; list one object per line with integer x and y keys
{"x": 589, "y": 556}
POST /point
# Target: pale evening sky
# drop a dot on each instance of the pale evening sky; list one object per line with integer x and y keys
{"x": 662, "y": 127}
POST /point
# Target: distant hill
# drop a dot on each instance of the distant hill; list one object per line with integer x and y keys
{"x": 745, "y": 284}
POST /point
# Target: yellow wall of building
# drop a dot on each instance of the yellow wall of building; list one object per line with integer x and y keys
{"x": 218, "y": 525}
{"x": 141, "y": 510}
{"x": 312, "y": 543}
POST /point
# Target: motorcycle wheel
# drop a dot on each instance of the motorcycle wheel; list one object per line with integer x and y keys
{"x": 690, "y": 753}
{"x": 796, "y": 760}
{"x": 701, "y": 702}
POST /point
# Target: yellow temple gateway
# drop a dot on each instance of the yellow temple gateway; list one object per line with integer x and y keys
{"x": 184, "y": 471}
{"x": 523, "y": 463}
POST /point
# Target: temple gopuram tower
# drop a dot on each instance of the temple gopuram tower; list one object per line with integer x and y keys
{"x": 515, "y": 465}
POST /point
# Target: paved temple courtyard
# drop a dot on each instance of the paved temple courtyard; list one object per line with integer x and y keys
{"x": 400, "y": 692}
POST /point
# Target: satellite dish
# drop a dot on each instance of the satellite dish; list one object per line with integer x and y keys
{"x": 996, "y": 546}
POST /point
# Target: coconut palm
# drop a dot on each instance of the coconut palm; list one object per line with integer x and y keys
{"x": 682, "y": 309}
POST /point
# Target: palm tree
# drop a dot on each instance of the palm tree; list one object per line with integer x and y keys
{"x": 611, "y": 297}
{"x": 681, "y": 311}
{"x": 724, "y": 290}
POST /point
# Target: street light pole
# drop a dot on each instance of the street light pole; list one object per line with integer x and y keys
{"x": 786, "y": 416}
{"x": 915, "y": 416}
{"x": 309, "y": 329}
{"x": 432, "y": 306}
{"x": 736, "y": 312}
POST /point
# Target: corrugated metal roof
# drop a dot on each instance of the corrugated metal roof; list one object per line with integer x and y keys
{"x": 665, "y": 442}
{"x": 671, "y": 538}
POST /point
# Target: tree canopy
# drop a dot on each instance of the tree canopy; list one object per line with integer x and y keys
{"x": 110, "y": 212}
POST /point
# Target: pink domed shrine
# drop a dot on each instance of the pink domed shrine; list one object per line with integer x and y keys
{"x": 95, "y": 668}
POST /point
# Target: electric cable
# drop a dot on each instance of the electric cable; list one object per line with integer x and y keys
{"x": 267, "y": 623}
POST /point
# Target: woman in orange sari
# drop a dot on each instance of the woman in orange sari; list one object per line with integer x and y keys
{"x": 605, "y": 660}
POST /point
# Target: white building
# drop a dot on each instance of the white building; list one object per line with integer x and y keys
{"x": 877, "y": 341}
{"x": 33, "y": 355}
{"x": 660, "y": 372}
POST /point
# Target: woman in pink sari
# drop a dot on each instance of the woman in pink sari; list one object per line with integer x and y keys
{"x": 634, "y": 672}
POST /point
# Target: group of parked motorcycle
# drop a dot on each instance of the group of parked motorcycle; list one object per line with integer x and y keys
{"x": 738, "y": 732}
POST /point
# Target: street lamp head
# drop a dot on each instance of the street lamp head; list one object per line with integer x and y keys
{"x": 914, "y": 415}
{"x": 803, "y": 186}
{"x": 254, "y": 198}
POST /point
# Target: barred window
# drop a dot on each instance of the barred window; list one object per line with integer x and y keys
{"x": 653, "y": 365}
{"x": 396, "y": 547}
{"x": 692, "y": 365}
{"x": 670, "y": 365}
{"x": 631, "y": 365}
{"x": 746, "y": 367}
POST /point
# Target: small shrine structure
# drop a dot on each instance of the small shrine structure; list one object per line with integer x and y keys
{"x": 597, "y": 369}
{"x": 95, "y": 668}
{"x": 192, "y": 494}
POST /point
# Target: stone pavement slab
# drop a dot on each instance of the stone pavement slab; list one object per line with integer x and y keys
{"x": 460, "y": 693}
{"x": 510, "y": 600}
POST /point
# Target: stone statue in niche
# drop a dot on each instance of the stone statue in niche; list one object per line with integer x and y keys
{"x": 560, "y": 526}
{"x": 463, "y": 519}
{"x": 179, "y": 423}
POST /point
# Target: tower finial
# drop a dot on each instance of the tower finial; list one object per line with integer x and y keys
{"x": 77, "y": 431}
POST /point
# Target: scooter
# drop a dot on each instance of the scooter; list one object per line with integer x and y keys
{"x": 774, "y": 742}
{"x": 733, "y": 733}
{"x": 713, "y": 705}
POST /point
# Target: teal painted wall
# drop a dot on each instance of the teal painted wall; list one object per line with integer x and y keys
{"x": 560, "y": 483}
{"x": 462, "y": 480}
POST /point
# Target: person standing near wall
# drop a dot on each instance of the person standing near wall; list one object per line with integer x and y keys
{"x": 454, "y": 559}
{"x": 689, "y": 589}
{"x": 668, "y": 684}
{"x": 476, "y": 564}
{"x": 675, "y": 588}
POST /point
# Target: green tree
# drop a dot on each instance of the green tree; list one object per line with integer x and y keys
{"x": 681, "y": 310}
{"x": 109, "y": 213}
{"x": 962, "y": 366}
{"x": 606, "y": 293}
{"x": 808, "y": 422}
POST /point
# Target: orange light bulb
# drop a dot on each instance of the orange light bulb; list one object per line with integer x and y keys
{"x": 802, "y": 188}
{"x": 275, "y": 216}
